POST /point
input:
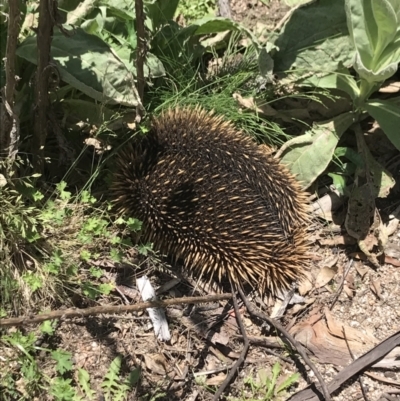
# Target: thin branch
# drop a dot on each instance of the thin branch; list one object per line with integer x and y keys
{"x": 140, "y": 55}
{"x": 339, "y": 290}
{"x": 75, "y": 312}
{"x": 47, "y": 11}
{"x": 295, "y": 344}
{"x": 363, "y": 362}
{"x": 363, "y": 389}
{"x": 9, "y": 124}
{"x": 235, "y": 367}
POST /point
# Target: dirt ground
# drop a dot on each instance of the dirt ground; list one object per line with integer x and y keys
{"x": 357, "y": 312}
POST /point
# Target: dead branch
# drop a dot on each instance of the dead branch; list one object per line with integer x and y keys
{"x": 47, "y": 11}
{"x": 234, "y": 369}
{"x": 224, "y": 9}
{"x": 364, "y": 362}
{"x": 9, "y": 124}
{"x": 296, "y": 345}
{"x": 140, "y": 55}
{"x": 75, "y": 312}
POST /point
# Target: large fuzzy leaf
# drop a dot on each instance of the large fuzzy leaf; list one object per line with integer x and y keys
{"x": 315, "y": 38}
{"x": 388, "y": 116}
{"x": 87, "y": 63}
{"x": 309, "y": 155}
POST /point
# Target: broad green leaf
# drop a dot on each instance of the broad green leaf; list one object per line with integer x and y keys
{"x": 363, "y": 36}
{"x": 391, "y": 54}
{"x": 374, "y": 27}
{"x": 386, "y": 20}
{"x": 161, "y": 11}
{"x": 315, "y": 38}
{"x": 387, "y": 114}
{"x": 84, "y": 382}
{"x": 122, "y": 9}
{"x": 209, "y": 25}
{"x": 309, "y": 159}
{"x": 382, "y": 179}
{"x": 339, "y": 181}
{"x": 378, "y": 75}
{"x": 293, "y": 3}
{"x": 351, "y": 155}
{"x": 341, "y": 80}
{"x": 87, "y": 63}
{"x": 153, "y": 67}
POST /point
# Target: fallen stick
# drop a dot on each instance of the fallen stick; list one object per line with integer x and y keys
{"x": 75, "y": 312}
{"x": 364, "y": 362}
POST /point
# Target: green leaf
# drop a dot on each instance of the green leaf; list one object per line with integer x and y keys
{"x": 374, "y": 27}
{"x": 96, "y": 272}
{"x": 350, "y": 154}
{"x": 341, "y": 80}
{"x": 106, "y": 288}
{"x": 85, "y": 255}
{"x": 338, "y": 181}
{"x": 288, "y": 382}
{"x": 161, "y": 11}
{"x": 153, "y": 67}
{"x": 362, "y": 35}
{"x": 134, "y": 376}
{"x": 47, "y": 327}
{"x": 111, "y": 377}
{"x": 209, "y": 25}
{"x": 63, "y": 359}
{"x": 386, "y": 20}
{"x": 33, "y": 281}
{"x": 87, "y": 63}
{"x": 116, "y": 255}
{"x": 315, "y": 38}
{"x": 387, "y": 115}
{"x": 62, "y": 389}
{"x": 84, "y": 382}
{"x": 134, "y": 224}
{"x": 382, "y": 179}
{"x": 309, "y": 155}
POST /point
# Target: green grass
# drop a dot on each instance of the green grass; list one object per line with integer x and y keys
{"x": 196, "y": 9}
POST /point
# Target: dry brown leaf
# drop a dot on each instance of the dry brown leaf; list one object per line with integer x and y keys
{"x": 220, "y": 337}
{"x": 156, "y": 363}
{"x": 330, "y": 261}
{"x": 250, "y": 103}
{"x": 329, "y": 348}
{"x": 305, "y": 284}
{"x": 348, "y": 291}
{"x": 392, "y": 87}
{"x": 358, "y": 255}
{"x": 325, "y": 275}
{"x": 392, "y": 261}
{"x": 216, "y": 380}
{"x": 393, "y": 250}
{"x": 376, "y": 288}
{"x": 299, "y": 307}
{"x": 338, "y": 240}
{"x": 361, "y": 269}
{"x": 341, "y": 330}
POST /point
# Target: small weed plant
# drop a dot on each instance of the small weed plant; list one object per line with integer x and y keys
{"x": 268, "y": 386}
{"x": 23, "y": 377}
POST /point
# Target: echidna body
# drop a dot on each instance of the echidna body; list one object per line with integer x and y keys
{"x": 208, "y": 195}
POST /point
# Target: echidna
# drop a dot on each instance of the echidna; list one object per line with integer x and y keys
{"x": 208, "y": 195}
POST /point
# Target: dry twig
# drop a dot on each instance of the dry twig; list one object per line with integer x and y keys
{"x": 365, "y": 361}
{"x": 75, "y": 312}
{"x": 296, "y": 345}
{"x": 235, "y": 367}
